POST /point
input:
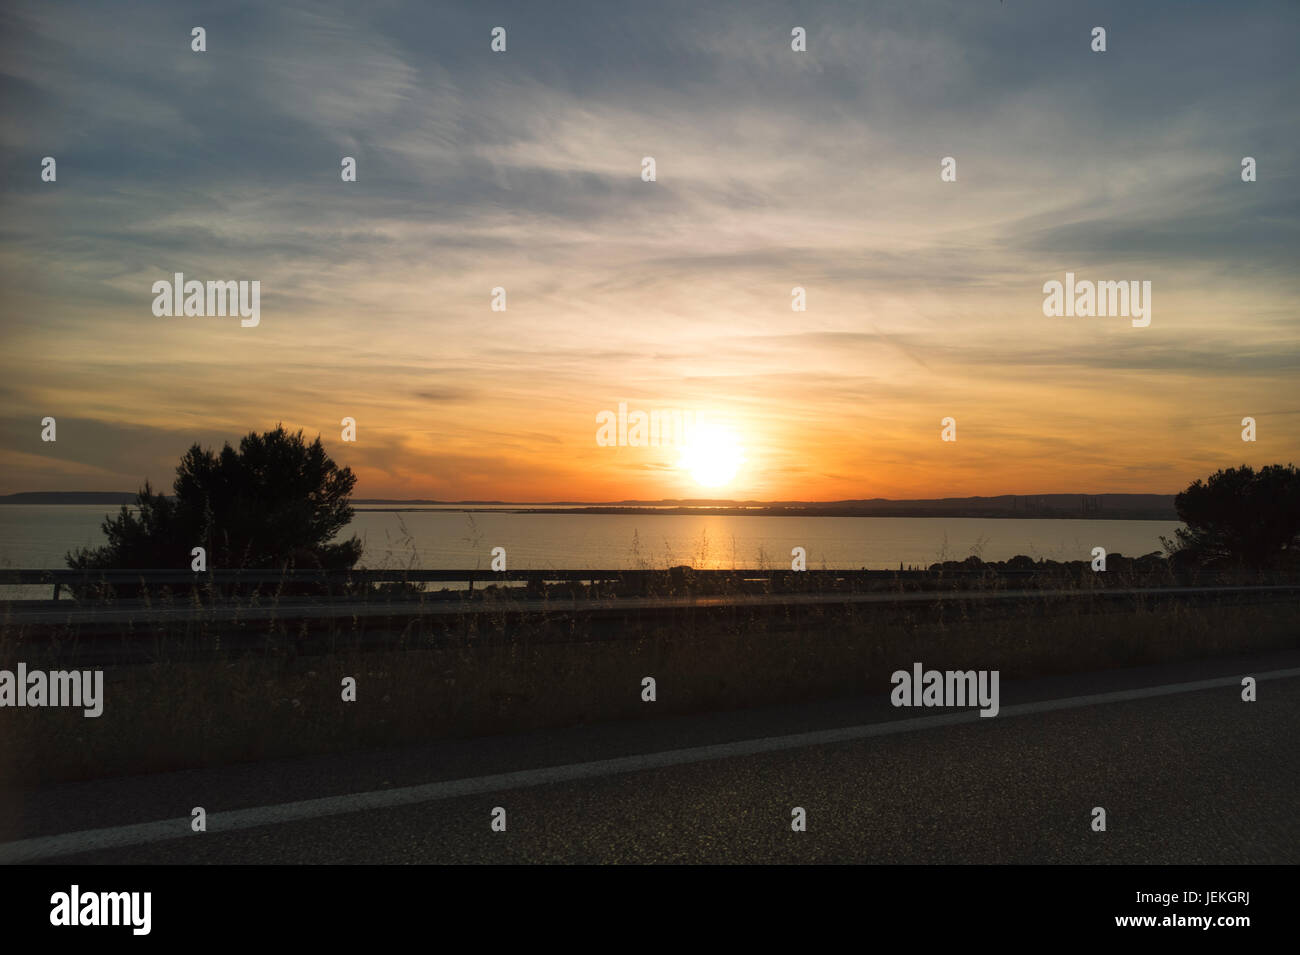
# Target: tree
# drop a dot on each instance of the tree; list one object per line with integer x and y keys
{"x": 1240, "y": 518}
{"x": 274, "y": 503}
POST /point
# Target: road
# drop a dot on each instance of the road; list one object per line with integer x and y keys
{"x": 1186, "y": 771}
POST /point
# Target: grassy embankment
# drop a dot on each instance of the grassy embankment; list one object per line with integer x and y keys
{"x": 198, "y": 703}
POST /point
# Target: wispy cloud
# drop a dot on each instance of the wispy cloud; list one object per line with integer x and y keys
{"x": 775, "y": 170}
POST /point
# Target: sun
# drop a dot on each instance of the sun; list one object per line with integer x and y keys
{"x": 713, "y": 456}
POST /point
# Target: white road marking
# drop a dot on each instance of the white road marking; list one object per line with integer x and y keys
{"x": 114, "y": 837}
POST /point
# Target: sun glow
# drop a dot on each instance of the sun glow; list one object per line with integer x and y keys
{"x": 713, "y": 456}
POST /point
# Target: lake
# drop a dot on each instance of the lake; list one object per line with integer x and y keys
{"x": 37, "y": 536}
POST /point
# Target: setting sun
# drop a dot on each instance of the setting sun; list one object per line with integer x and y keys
{"x": 713, "y": 456}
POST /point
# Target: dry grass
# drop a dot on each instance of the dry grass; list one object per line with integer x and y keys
{"x": 187, "y": 710}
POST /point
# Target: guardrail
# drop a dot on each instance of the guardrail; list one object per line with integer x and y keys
{"x": 60, "y": 578}
{"x": 9, "y": 576}
{"x": 636, "y": 579}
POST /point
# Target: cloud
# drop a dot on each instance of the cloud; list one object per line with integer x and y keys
{"x": 522, "y": 170}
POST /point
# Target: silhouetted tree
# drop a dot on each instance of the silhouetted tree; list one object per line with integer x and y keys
{"x": 275, "y": 502}
{"x": 1240, "y": 518}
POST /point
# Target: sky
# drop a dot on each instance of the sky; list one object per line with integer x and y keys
{"x": 774, "y": 169}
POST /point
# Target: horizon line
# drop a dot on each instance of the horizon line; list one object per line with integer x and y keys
{"x": 636, "y": 502}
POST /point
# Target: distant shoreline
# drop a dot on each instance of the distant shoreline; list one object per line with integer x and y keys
{"x": 1128, "y": 507}
{"x": 900, "y": 512}
{"x": 904, "y": 513}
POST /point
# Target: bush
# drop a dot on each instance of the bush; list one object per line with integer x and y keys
{"x": 275, "y": 503}
{"x": 1240, "y": 518}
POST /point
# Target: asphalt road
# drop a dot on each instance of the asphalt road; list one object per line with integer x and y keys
{"x": 1187, "y": 776}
